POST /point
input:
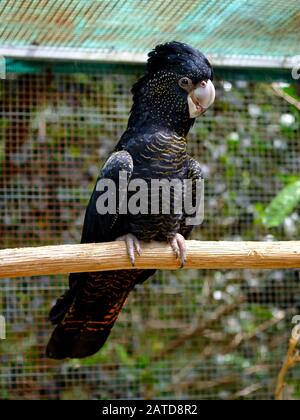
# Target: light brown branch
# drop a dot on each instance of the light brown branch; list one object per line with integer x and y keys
{"x": 62, "y": 259}
{"x": 195, "y": 383}
{"x": 246, "y": 391}
{"x": 235, "y": 343}
{"x": 197, "y": 330}
{"x": 245, "y": 337}
{"x": 292, "y": 357}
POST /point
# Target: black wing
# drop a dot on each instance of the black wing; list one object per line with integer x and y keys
{"x": 86, "y": 313}
{"x": 97, "y": 227}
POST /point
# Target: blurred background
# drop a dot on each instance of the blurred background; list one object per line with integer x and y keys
{"x": 67, "y": 68}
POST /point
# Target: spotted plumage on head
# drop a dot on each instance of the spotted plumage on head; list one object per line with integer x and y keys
{"x": 176, "y": 88}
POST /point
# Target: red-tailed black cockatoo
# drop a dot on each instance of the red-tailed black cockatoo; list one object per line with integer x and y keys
{"x": 176, "y": 88}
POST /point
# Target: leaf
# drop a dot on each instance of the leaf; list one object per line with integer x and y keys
{"x": 291, "y": 91}
{"x": 282, "y": 205}
{"x": 123, "y": 355}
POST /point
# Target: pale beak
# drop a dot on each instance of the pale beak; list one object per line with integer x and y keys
{"x": 201, "y": 98}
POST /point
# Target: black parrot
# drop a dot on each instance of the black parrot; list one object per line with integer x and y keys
{"x": 176, "y": 88}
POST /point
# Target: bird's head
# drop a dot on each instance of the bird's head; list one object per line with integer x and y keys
{"x": 177, "y": 86}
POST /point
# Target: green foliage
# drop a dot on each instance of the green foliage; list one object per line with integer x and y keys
{"x": 282, "y": 205}
{"x": 291, "y": 91}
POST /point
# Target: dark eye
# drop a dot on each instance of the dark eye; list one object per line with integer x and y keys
{"x": 184, "y": 81}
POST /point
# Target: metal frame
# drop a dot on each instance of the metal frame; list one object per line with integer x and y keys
{"x": 71, "y": 54}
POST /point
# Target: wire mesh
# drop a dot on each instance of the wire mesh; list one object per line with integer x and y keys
{"x": 222, "y": 28}
{"x": 181, "y": 334}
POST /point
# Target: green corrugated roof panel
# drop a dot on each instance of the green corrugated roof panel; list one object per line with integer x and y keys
{"x": 229, "y": 31}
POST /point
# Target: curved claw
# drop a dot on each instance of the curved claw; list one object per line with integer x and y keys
{"x": 179, "y": 247}
{"x": 133, "y": 245}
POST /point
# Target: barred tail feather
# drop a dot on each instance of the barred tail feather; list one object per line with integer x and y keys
{"x": 78, "y": 342}
{"x": 84, "y": 321}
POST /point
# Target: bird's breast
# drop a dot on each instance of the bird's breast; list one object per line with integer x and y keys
{"x": 162, "y": 156}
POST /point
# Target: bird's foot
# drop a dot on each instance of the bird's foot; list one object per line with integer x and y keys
{"x": 179, "y": 247}
{"x": 132, "y": 244}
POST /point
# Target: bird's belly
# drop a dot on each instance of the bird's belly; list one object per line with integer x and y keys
{"x": 160, "y": 201}
{"x": 154, "y": 227}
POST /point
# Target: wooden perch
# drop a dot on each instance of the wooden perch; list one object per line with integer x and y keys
{"x": 62, "y": 259}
